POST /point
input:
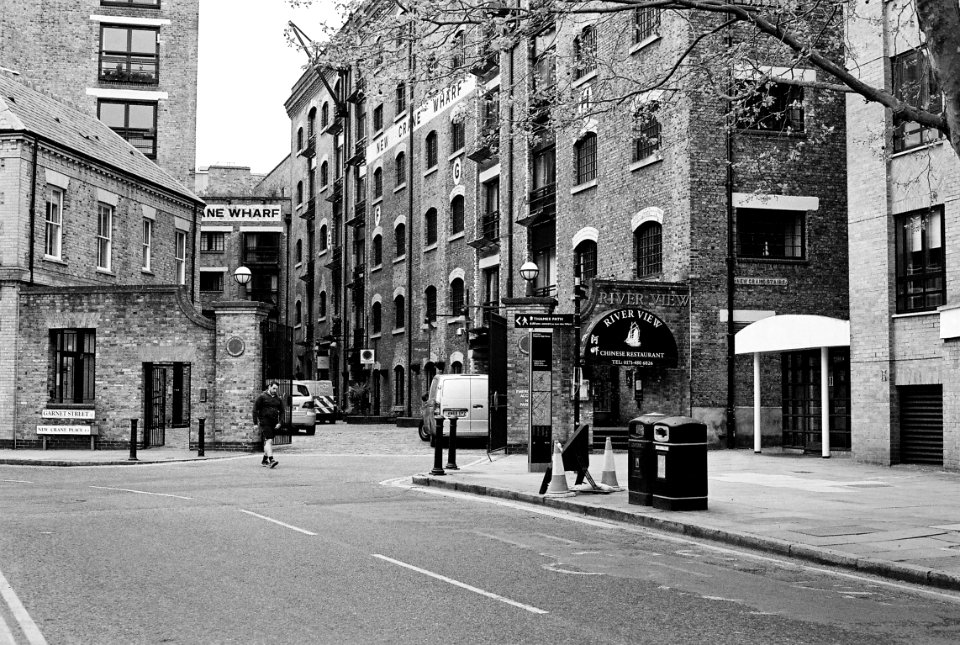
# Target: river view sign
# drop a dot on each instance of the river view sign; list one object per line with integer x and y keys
{"x": 632, "y": 337}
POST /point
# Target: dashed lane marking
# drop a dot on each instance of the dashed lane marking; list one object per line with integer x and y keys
{"x": 462, "y": 585}
{"x": 278, "y": 522}
{"x": 141, "y": 492}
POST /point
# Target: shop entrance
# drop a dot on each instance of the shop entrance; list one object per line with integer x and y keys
{"x": 801, "y": 403}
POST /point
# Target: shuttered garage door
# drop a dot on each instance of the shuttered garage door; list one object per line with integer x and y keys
{"x": 921, "y": 424}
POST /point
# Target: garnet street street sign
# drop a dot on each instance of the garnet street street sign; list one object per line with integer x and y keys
{"x": 543, "y": 320}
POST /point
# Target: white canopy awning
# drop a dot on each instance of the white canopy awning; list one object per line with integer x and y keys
{"x": 791, "y": 332}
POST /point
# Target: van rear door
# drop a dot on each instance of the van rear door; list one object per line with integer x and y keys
{"x": 478, "y": 412}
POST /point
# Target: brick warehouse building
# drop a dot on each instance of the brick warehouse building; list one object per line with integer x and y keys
{"x": 903, "y": 221}
{"x": 417, "y": 199}
{"x": 132, "y": 63}
{"x": 98, "y": 299}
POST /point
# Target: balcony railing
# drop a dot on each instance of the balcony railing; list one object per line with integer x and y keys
{"x": 357, "y": 95}
{"x": 543, "y": 205}
{"x": 359, "y": 152}
{"x": 307, "y": 277}
{"x": 309, "y": 210}
{"x": 266, "y": 255}
{"x": 336, "y": 126}
{"x": 336, "y": 192}
{"x": 336, "y": 257}
{"x": 486, "y": 63}
{"x": 310, "y": 149}
{"x": 359, "y": 214}
{"x": 489, "y": 232}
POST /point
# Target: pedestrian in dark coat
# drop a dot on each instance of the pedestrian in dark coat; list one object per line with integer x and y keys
{"x": 268, "y": 415}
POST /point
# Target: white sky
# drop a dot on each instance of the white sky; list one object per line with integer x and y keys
{"x": 246, "y": 71}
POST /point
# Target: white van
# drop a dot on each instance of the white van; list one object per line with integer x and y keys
{"x": 464, "y": 395}
{"x": 325, "y": 404}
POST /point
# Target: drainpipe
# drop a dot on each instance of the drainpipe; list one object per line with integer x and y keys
{"x": 193, "y": 256}
{"x": 731, "y": 283}
{"x": 33, "y": 205}
{"x": 510, "y": 191}
{"x": 408, "y": 300}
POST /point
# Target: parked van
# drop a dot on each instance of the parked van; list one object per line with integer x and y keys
{"x": 464, "y": 395}
{"x": 325, "y": 404}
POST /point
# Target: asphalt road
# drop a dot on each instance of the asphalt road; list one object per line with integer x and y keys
{"x": 335, "y": 546}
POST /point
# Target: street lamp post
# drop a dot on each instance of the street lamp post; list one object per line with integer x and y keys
{"x": 529, "y": 272}
{"x": 577, "y": 295}
{"x": 242, "y": 275}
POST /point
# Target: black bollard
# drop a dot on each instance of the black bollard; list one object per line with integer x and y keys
{"x": 133, "y": 440}
{"x": 452, "y": 453}
{"x": 438, "y": 450}
{"x": 200, "y": 438}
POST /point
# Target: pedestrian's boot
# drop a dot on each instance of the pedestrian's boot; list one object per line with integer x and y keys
{"x": 273, "y": 462}
{"x": 265, "y": 462}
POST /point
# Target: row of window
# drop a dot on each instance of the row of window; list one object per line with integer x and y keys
{"x": 106, "y": 213}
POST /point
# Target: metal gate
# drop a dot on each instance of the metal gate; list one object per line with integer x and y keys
{"x": 921, "y": 424}
{"x": 277, "y": 365}
{"x": 155, "y": 405}
{"x": 497, "y": 382}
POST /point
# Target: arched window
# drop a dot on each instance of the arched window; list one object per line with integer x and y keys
{"x": 377, "y": 250}
{"x": 400, "y": 238}
{"x": 430, "y": 226}
{"x": 646, "y": 143}
{"x": 322, "y": 238}
{"x": 398, "y": 378}
{"x": 322, "y": 304}
{"x": 456, "y": 296}
{"x": 456, "y": 367}
{"x": 456, "y": 215}
{"x": 401, "y": 170}
{"x": 430, "y": 304}
{"x": 298, "y": 313}
{"x": 585, "y": 52}
{"x": 399, "y": 316}
{"x": 458, "y": 136}
{"x": 430, "y": 149}
{"x": 325, "y": 115}
{"x": 585, "y": 260}
{"x": 311, "y": 124}
{"x": 401, "y": 98}
{"x": 585, "y": 154}
{"x": 299, "y": 251}
{"x": 299, "y": 139}
{"x": 648, "y": 248}
{"x": 299, "y": 192}
{"x": 378, "y": 183}
{"x": 324, "y": 174}
{"x": 376, "y": 317}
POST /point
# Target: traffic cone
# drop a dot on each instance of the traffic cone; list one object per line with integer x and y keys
{"x": 609, "y": 475}
{"x": 558, "y": 481}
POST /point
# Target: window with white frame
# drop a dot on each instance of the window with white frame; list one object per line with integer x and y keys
{"x": 147, "y": 247}
{"x": 53, "y": 242}
{"x": 180, "y": 256}
{"x": 585, "y": 260}
{"x": 104, "y": 236}
{"x": 769, "y": 234}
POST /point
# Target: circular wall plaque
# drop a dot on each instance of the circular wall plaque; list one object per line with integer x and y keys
{"x": 235, "y": 346}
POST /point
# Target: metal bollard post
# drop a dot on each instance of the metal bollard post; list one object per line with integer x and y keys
{"x": 202, "y": 420}
{"x": 438, "y": 451}
{"x": 133, "y": 440}
{"x": 452, "y": 453}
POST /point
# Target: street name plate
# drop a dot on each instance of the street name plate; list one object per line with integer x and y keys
{"x": 542, "y": 320}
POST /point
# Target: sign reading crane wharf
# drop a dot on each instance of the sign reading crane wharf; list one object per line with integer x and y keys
{"x": 632, "y": 337}
{"x": 215, "y": 213}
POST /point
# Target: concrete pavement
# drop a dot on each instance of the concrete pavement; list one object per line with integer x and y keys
{"x": 899, "y": 522}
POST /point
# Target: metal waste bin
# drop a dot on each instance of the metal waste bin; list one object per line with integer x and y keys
{"x": 641, "y": 463}
{"x": 680, "y": 450}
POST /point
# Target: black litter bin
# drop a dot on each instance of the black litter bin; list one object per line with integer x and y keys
{"x": 641, "y": 463}
{"x": 680, "y": 452}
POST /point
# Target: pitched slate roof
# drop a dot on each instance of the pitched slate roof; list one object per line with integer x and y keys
{"x": 23, "y": 109}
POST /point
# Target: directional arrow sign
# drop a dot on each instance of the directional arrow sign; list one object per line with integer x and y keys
{"x": 543, "y": 320}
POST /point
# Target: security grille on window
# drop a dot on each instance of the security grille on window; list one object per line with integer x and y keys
{"x": 585, "y": 260}
{"x": 914, "y": 83}
{"x": 147, "y": 247}
{"x": 211, "y": 281}
{"x": 54, "y": 224}
{"x": 456, "y": 296}
{"x": 212, "y": 242}
{"x": 74, "y": 365}
{"x": 585, "y": 154}
{"x": 921, "y": 283}
{"x": 104, "y": 236}
{"x": 647, "y": 142}
{"x": 430, "y": 146}
{"x": 430, "y": 224}
{"x": 772, "y": 107}
{"x": 646, "y": 23}
{"x": 771, "y": 234}
{"x": 458, "y": 136}
{"x": 135, "y": 122}
{"x": 129, "y": 54}
{"x": 648, "y": 241}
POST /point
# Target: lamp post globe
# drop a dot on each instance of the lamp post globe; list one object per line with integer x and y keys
{"x": 529, "y": 271}
{"x": 242, "y": 275}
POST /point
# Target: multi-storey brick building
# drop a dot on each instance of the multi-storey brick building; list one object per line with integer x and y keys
{"x": 904, "y": 195}
{"x": 132, "y": 63}
{"x": 421, "y": 198}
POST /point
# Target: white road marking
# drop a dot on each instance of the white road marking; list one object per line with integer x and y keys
{"x": 6, "y": 636}
{"x": 667, "y": 537}
{"x": 141, "y": 492}
{"x": 462, "y": 585}
{"x": 502, "y": 539}
{"x": 283, "y": 524}
{"x": 558, "y": 539}
{"x": 557, "y": 567}
{"x": 29, "y": 628}
{"x": 15, "y": 481}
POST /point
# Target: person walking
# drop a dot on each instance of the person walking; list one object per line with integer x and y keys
{"x": 268, "y": 414}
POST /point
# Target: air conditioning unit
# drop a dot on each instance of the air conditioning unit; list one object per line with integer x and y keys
{"x": 367, "y": 357}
